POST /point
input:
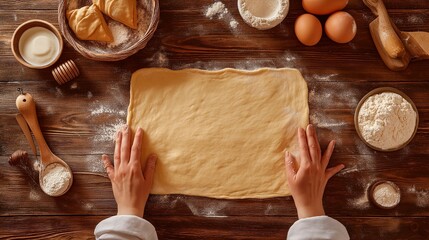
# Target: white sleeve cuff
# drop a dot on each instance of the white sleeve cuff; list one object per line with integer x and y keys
{"x": 320, "y": 227}
{"x": 125, "y": 227}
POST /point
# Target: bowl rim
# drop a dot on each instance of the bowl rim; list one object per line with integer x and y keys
{"x": 379, "y": 182}
{"x": 377, "y": 91}
{"x": 103, "y": 56}
{"x": 15, "y": 42}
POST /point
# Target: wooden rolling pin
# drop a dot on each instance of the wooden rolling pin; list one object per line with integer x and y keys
{"x": 396, "y": 48}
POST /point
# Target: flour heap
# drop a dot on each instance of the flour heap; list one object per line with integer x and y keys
{"x": 387, "y": 120}
{"x": 263, "y": 14}
{"x": 56, "y": 179}
{"x": 216, "y": 9}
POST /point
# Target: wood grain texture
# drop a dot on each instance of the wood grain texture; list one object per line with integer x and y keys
{"x": 242, "y": 227}
{"x": 79, "y": 119}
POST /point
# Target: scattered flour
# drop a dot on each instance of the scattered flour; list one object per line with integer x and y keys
{"x": 89, "y": 95}
{"x": 328, "y": 77}
{"x": 74, "y": 85}
{"x": 102, "y": 109}
{"x": 56, "y": 179}
{"x": 167, "y": 201}
{"x": 416, "y": 19}
{"x": 211, "y": 209}
{"x": 120, "y": 32}
{"x": 88, "y": 206}
{"x": 36, "y": 165}
{"x": 367, "y": 17}
{"x": 197, "y": 207}
{"x": 328, "y": 96}
{"x": 59, "y": 92}
{"x": 323, "y": 121}
{"x": 398, "y": 20}
{"x": 93, "y": 163}
{"x": 218, "y": 10}
{"x": 273, "y": 209}
{"x": 106, "y": 132}
{"x": 362, "y": 201}
{"x": 386, "y": 120}
{"x": 158, "y": 59}
{"x": 422, "y": 196}
{"x": 348, "y": 170}
{"x": 233, "y": 24}
{"x": 386, "y": 195}
{"x": 50, "y": 110}
{"x": 34, "y": 195}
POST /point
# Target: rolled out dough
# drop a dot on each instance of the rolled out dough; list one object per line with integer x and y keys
{"x": 219, "y": 134}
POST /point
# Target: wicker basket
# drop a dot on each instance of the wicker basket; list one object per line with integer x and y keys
{"x": 135, "y": 40}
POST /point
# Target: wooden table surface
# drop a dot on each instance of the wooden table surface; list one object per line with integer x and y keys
{"x": 79, "y": 119}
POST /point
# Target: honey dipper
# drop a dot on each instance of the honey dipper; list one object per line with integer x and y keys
{"x": 65, "y": 72}
{"x": 27, "y": 107}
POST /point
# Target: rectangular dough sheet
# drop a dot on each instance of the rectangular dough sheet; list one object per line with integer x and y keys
{"x": 219, "y": 134}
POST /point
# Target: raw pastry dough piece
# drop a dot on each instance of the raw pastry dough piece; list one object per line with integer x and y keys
{"x": 124, "y": 11}
{"x": 219, "y": 134}
{"x": 88, "y": 24}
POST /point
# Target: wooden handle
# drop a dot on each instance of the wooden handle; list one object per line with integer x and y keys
{"x": 27, "y": 107}
{"x": 389, "y": 39}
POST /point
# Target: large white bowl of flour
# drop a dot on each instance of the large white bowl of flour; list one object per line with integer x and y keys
{"x": 386, "y": 119}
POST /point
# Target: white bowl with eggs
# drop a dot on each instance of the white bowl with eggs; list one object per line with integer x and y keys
{"x": 37, "y": 44}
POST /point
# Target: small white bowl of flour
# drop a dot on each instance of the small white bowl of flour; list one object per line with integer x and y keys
{"x": 386, "y": 119}
{"x": 384, "y": 194}
{"x": 261, "y": 14}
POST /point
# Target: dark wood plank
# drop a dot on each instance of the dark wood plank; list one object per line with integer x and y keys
{"x": 173, "y": 227}
{"x": 210, "y": 44}
{"x": 345, "y": 193}
{"x": 190, "y": 5}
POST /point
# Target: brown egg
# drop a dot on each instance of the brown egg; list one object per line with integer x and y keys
{"x": 322, "y": 7}
{"x": 340, "y": 27}
{"x": 308, "y": 29}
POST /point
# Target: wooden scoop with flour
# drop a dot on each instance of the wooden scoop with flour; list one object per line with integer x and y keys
{"x": 27, "y": 107}
{"x": 396, "y": 48}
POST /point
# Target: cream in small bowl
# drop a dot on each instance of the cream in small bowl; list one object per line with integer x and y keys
{"x": 37, "y": 44}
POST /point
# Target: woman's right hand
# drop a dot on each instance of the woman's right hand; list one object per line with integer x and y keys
{"x": 307, "y": 183}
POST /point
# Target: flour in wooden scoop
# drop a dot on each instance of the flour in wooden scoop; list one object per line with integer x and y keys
{"x": 56, "y": 179}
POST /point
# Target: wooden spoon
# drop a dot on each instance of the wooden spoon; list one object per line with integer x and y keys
{"x": 27, "y": 107}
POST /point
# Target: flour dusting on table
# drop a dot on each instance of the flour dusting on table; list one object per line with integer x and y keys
{"x": 34, "y": 195}
{"x": 93, "y": 163}
{"x": 422, "y": 196}
{"x": 416, "y": 19}
{"x": 362, "y": 201}
{"x": 106, "y": 132}
{"x": 220, "y": 11}
{"x": 210, "y": 209}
